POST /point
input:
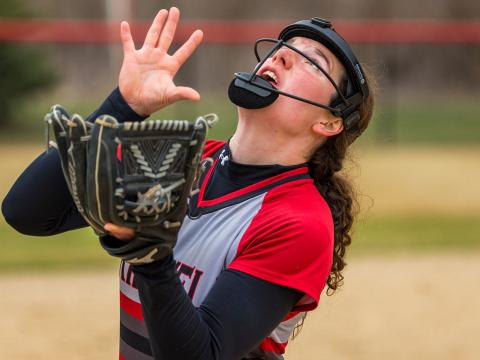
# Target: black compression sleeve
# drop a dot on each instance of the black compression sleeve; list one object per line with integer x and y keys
{"x": 39, "y": 202}
{"x": 116, "y": 106}
{"x": 239, "y": 312}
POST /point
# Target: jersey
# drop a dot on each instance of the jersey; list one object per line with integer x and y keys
{"x": 279, "y": 229}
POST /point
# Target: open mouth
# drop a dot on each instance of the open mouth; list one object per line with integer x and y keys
{"x": 270, "y": 76}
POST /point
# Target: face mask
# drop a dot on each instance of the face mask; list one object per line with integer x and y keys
{"x": 251, "y": 91}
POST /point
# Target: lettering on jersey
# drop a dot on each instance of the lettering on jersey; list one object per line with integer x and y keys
{"x": 190, "y": 277}
{"x": 223, "y": 158}
{"x": 126, "y": 273}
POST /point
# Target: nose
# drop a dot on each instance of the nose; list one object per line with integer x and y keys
{"x": 284, "y": 56}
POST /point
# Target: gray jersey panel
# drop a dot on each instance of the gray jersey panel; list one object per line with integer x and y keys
{"x": 208, "y": 244}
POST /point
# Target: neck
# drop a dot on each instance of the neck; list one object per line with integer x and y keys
{"x": 258, "y": 141}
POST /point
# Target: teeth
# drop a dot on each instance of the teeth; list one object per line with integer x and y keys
{"x": 271, "y": 75}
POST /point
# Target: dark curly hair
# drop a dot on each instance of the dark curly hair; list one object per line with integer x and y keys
{"x": 324, "y": 167}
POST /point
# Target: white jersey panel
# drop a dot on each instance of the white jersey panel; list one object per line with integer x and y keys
{"x": 208, "y": 244}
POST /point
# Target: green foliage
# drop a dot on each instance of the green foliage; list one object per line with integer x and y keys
{"x": 24, "y": 72}
{"x": 24, "y": 68}
{"x": 13, "y": 8}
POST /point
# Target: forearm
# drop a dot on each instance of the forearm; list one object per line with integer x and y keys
{"x": 116, "y": 106}
{"x": 238, "y": 313}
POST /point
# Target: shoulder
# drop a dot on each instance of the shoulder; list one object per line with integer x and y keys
{"x": 296, "y": 216}
{"x": 290, "y": 240}
{"x": 299, "y": 204}
{"x": 211, "y": 147}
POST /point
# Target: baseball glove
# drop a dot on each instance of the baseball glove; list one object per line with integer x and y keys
{"x": 133, "y": 174}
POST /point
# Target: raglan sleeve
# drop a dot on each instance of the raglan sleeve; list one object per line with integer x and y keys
{"x": 289, "y": 247}
{"x": 211, "y": 147}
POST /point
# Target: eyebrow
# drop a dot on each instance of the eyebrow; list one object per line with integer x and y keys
{"x": 316, "y": 50}
{"x": 320, "y": 53}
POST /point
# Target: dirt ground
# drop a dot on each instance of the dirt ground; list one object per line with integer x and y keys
{"x": 417, "y": 307}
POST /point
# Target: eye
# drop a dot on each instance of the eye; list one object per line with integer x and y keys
{"x": 315, "y": 67}
{"x": 319, "y": 64}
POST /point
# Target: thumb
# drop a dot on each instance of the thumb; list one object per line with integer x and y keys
{"x": 120, "y": 232}
{"x": 185, "y": 93}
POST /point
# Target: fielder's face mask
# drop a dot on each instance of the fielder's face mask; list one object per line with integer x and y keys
{"x": 251, "y": 91}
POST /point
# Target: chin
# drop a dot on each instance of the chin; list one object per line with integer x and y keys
{"x": 270, "y": 111}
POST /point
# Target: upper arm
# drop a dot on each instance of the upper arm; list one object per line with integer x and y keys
{"x": 289, "y": 244}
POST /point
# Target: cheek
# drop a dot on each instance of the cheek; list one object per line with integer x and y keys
{"x": 296, "y": 115}
{"x": 319, "y": 89}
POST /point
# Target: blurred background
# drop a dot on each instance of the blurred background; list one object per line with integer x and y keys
{"x": 412, "y": 286}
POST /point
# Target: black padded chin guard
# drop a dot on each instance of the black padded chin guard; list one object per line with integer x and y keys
{"x": 247, "y": 95}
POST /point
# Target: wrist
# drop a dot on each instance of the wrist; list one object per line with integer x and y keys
{"x": 138, "y": 110}
{"x": 133, "y": 108}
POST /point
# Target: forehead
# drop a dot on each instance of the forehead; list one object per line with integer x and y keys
{"x": 307, "y": 43}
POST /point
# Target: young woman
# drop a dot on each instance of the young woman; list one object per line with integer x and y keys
{"x": 269, "y": 227}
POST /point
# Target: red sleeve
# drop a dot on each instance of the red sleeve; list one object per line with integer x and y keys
{"x": 290, "y": 242}
{"x": 211, "y": 147}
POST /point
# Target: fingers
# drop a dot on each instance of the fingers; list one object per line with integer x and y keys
{"x": 154, "y": 32}
{"x": 168, "y": 31}
{"x": 120, "y": 232}
{"x": 126, "y": 37}
{"x": 187, "y": 49}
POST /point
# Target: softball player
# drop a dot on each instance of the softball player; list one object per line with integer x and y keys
{"x": 268, "y": 228}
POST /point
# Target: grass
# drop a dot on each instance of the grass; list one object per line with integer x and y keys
{"x": 28, "y": 124}
{"x": 393, "y": 234}
{"x": 420, "y": 195}
{"x": 74, "y": 250}
{"x": 417, "y": 199}
{"x": 440, "y": 180}
{"x": 424, "y": 120}
{"x": 80, "y": 250}
{"x": 405, "y": 121}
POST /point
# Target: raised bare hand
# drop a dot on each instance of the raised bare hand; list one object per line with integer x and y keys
{"x": 146, "y": 76}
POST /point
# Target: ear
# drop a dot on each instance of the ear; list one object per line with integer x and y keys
{"x": 328, "y": 127}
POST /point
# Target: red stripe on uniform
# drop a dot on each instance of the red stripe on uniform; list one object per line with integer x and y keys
{"x": 247, "y": 189}
{"x": 120, "y": 357}
{"x": 270, "y": 345}
{"x": 211, "y": 147}
{"x": 131, "y": 307}
{"x": 291, "y": 315}
{"x": 119, "y": 152}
